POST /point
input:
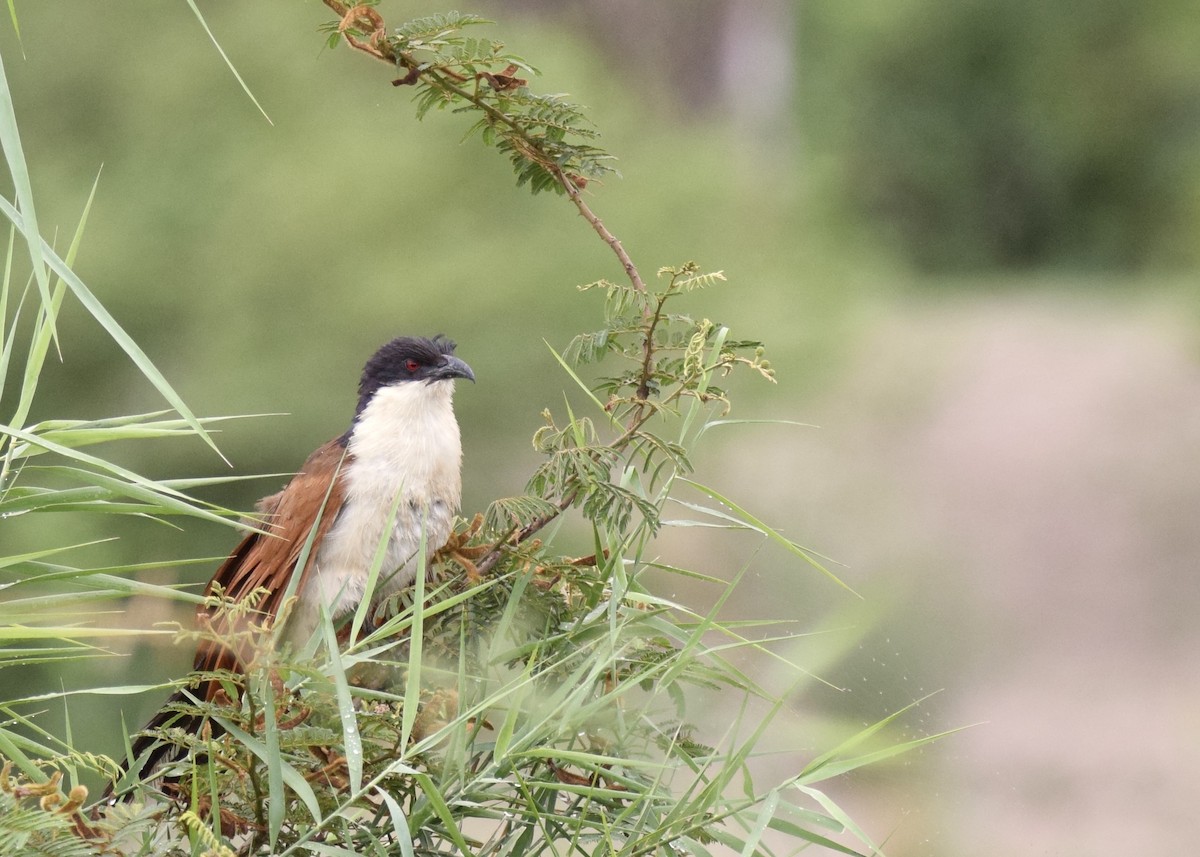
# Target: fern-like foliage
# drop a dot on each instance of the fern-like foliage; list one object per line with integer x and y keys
{"x": 547, "y": 138}
{"x": 516, "y": 513}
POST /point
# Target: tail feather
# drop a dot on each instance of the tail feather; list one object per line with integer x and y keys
{"x": 150, "y": 753}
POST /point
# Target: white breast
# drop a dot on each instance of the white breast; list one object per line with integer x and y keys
{"x": 405, "y": 448}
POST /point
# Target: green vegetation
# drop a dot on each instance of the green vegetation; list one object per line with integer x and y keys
{"x": 525, "y": 700}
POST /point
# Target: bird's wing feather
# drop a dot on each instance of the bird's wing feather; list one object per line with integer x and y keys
{"x": 312, "y": 499}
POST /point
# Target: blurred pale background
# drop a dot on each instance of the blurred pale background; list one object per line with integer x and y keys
{"x": 968, "y": 234}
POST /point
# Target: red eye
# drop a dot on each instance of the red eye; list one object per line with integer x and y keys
{"x": 411, "y": 365}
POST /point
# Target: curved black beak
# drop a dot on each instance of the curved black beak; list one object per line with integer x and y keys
{"x": 453, "y": 367}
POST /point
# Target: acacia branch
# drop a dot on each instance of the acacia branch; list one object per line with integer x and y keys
{"x": 378, "y": 47}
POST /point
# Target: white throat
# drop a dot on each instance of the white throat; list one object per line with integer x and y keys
{"x": 405, "y": 453}
{"x": 410, "y": 427}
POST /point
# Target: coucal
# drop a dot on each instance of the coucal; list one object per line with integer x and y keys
{"x": 403, "y": 452}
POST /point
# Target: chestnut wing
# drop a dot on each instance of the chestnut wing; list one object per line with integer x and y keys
{"x": 312, "y": 499}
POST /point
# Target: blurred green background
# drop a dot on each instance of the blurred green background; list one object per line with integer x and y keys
{"x": 967, "y": 233}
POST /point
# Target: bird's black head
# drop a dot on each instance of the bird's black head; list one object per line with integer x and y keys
{"x": 407, "y": 360}
{"x": 411, "y": 358}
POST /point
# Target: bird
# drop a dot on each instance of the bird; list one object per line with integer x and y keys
{"x": 402, "y": 452}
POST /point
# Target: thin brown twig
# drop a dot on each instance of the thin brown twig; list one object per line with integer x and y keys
{"x": 631, "y": 271}
{"x": 523, "y": 534}
{"x": 611, "y": 240}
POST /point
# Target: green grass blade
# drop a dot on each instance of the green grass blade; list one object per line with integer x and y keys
{"x": 366, "y": 602}
{"x": 14, "y": 154}
{"x": 579, "y": 383}
{"x": 246, "y": 89}
{"x": 695, "y": 639}
{"x": 71, "y": 632}
{"x": 112, "y": 575}
{"x": 841, "y": 816}
{"x": 12, "y": 14}
{"x": 841, "y": 766}
{"x": 39, "y": 346}
{"x": 40, "y": 342}
{"x": 745, "y": 517}
{"x": 438, "y": 803}
{"x": 293, "y": 778}
{"x": 505, "y": 733}
{"x": 399, "y": 823}
{"x": 352, "y": 740}
{"x": 277, "y": 807}
{"x": 412, "y": 686}
{"x": 765, "y": 811}
{"x": 77, "y": 433}
{"x": 126, "y": 479}
{"x": 716, "y": 423}
{"x": 134, "y": 351}
{"x": 15, "y": 559}
{"x": 10, "y": 751}
{"x": 7, "y": 337}
{"x": 832, "y": 763}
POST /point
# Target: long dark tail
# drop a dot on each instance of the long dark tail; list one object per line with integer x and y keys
{"x": 151, "y": 753}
